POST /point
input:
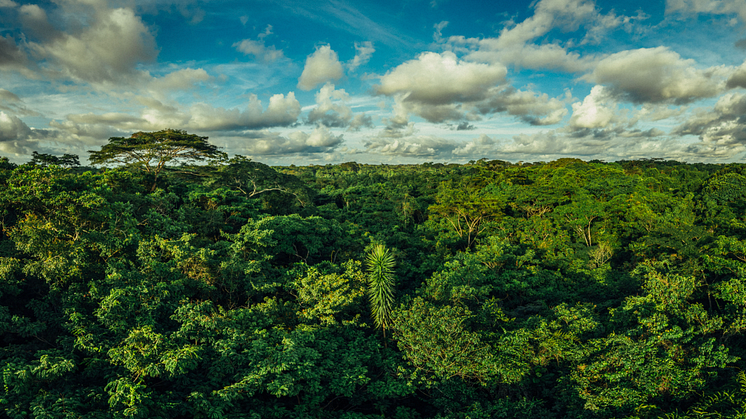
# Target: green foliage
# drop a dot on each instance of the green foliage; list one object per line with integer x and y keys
{"x": 152, "y": 151}
{"x": 730, "y": 403}
{"x": 67, "y": 160}
{"x": 562, "y": 289}
{"x": 380, "y": 263}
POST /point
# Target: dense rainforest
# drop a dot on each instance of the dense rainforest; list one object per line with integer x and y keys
{"x": 233, "y": 289}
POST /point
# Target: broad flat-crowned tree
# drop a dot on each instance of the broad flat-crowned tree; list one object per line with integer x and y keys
{"x": 151, "y": 151}
{"x": 67, "y": 160}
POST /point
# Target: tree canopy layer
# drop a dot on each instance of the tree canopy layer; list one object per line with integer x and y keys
{"x": 567, "y": 289}
{"x": 152, "y": 151}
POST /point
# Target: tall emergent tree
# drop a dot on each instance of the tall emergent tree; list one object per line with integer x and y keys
{"x": 67, "y": 160}
{"x": 381, "y": 263}
{"x": 151, "y": 151}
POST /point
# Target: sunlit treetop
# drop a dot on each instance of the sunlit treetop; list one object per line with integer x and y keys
{"x": 151, "y": 151}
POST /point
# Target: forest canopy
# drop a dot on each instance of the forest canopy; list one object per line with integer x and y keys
{"x": 483, "y": 290}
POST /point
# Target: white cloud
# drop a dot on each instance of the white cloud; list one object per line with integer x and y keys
{"x": 655, "y": 75}
{"x": 724, "y": 126}
{"x": 84, "y": 124}
{"x": 265, "y": 143}
{"x": 482, "y": 146}
{"x": 259, "y": 50}
{"x": 738, "y": 78}
{"x": 606, "y": 144}
{"x": 364, "y": 50}
{"x": 106, "y": 50}
{"x": 565, "y": 14}
{"x": 321, "y": 66}
{"x": 10, "y": 102}
{"x": 281, "y": 111}
{"x": 438, "y": 79}
{"x": 332, "y": 111}
{"x": 438, "y": 34}
{"x": 183, "y": 79}
{"x": 85, "y": 135}
{"x": 8, "y": 96}
{"x": 360, "y": 121}
{"x": 18, "y": 140}
{"x": 415, "y": 146}
{"x": 12, "y": 128}
{"x": 593, "y": 112}
{"x": 514, "y": 45}
{"x": 535, "y": 109}
{"x": 11, "y": 56}
{"x": 715, "y": 7}
{"x": 549, "y": 56}
{"x": 439, "y": 88}
{"x": 430, "y": 146}
{"x": 34, "y": 19}
{"x": 321, "y": 137}
{"x": 657, "y": 112}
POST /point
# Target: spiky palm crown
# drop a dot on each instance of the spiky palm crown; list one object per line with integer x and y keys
{"x": 381, "y": 264}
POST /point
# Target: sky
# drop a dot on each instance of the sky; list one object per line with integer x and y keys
{"x": 407, "y": 81}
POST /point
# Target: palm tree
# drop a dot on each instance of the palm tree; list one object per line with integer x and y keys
{"x": 381, "y": 285}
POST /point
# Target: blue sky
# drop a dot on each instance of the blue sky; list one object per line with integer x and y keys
{"x": 406, "y": 81}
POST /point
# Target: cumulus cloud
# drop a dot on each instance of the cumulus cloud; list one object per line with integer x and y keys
{"x": 266, "y": 143}
{"x": 415, "y": 146}
{"x": 113, "y": 119}
{"x": 258, "y": 49}
{"x": 656, "y": 112}
{"x": 438, "y": 79}
{"x": 105, "y": 50}
{"x": 464, "y": 126}
{"x": 183, "y": 79}
{"x": 321, "y": 66}
{"x": 438, "y": 34}
{"x": 281, "y": 111}
{"x": 439, "y": 88}
{"x": 594, "y": 111}
{"x": 8, "y": 96}
{"x": 532, "y": 108}
{"x": 11, "y": 56}
{"x": 482, "y": 146}
{"x": 360, "y": 121}
{"x": 724, "y": 126}
{"x": 721, "y": 140}
{"x": 86, "y": 135}
{"x": 12, "y": 128}
{"x": 34, "y": 20}
{"x": 10, "y": 102}
{"x": 565, "y": 14}
{"x": 549, "y": 56}
{"x": 655, "y": 75}
{"x": 695, "y": 7}
{"x": 429, "y": 146}
{"x": 605, "y": 144}
{"x": 515, "y": 44}
{"x": 738, "y": 78}
{"x": 364, "y": 50}
{"x": 18, "y": 140}
{"x": 330, "y": 110}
